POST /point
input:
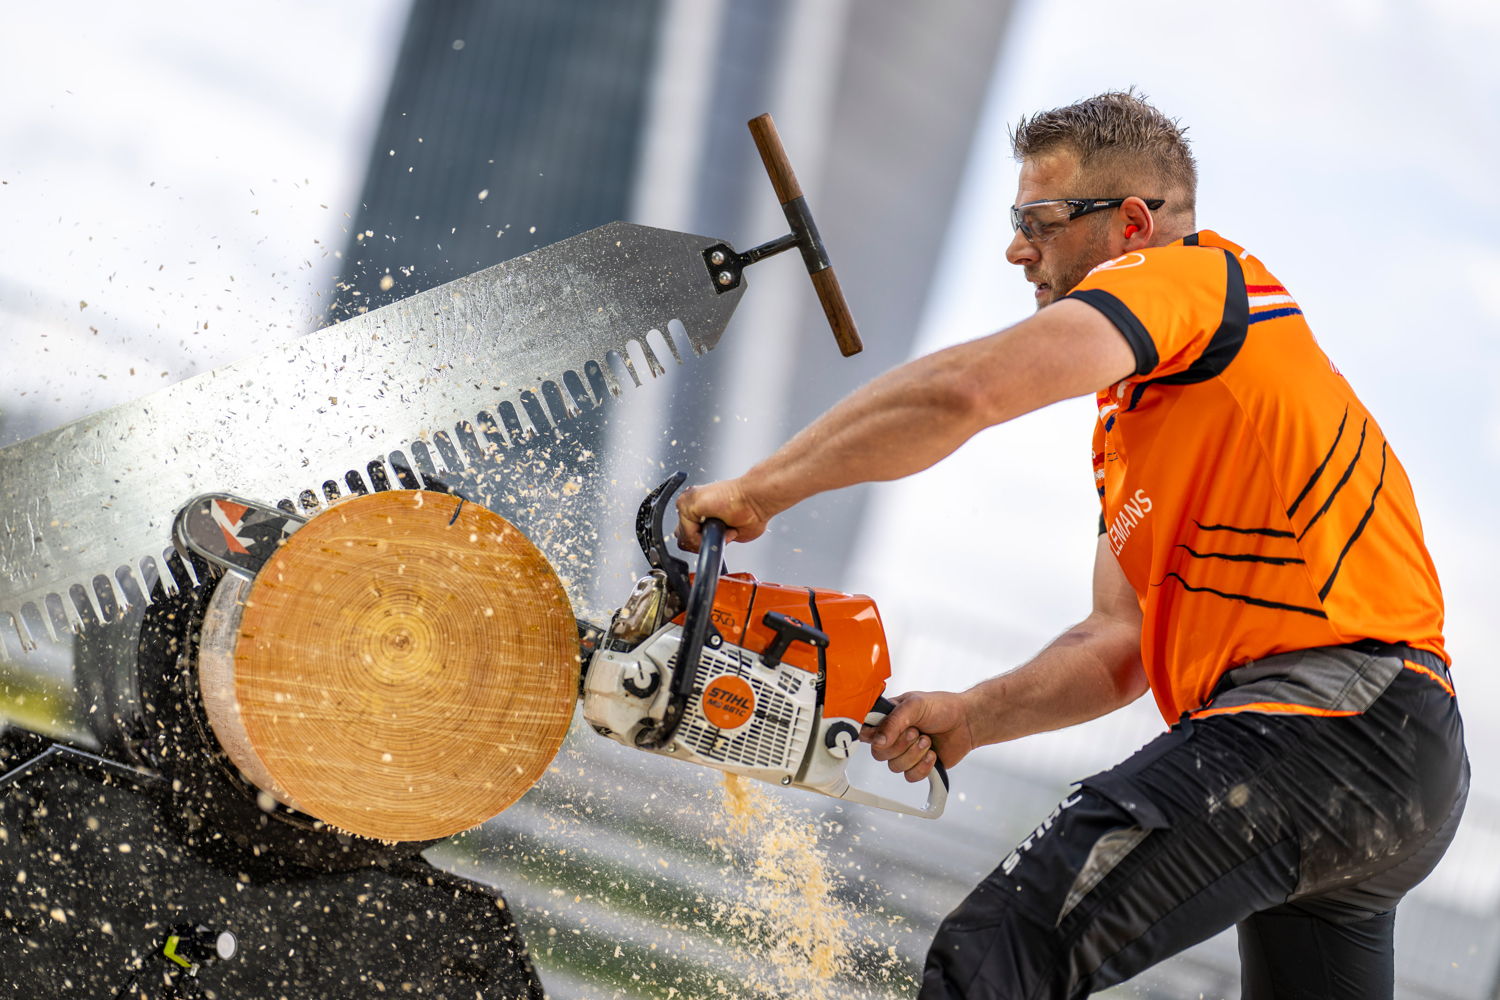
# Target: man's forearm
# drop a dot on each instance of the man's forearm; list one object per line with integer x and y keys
{"x": 917, "y": 414}
{"x": 898, "y": 424}
{"x": 1088, "y": 671}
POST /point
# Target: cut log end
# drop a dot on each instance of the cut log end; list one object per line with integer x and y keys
{"x": 405, "y": 668}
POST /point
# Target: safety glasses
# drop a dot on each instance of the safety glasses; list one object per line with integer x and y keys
{"x": 1040, "y": 221}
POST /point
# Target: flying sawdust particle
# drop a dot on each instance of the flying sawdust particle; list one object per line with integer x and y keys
{"x": 797, "y": 928}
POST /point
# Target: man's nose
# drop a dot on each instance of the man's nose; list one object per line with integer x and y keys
{"x": 1021, "y": 250}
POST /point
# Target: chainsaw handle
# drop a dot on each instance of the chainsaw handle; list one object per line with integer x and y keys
{"x": 805, "y": 232}
{"x": 695, "y": 628}
{"x": 884, "y": 706}
{"x": 937, "y": 778}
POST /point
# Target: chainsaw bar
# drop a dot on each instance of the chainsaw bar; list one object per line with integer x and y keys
{"x": 232, "y": 533}
{"x": 422, "y": 389}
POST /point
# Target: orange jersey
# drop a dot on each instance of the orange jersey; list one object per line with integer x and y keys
{"x": 1251, "y": 499}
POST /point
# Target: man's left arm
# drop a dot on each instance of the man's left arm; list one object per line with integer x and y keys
{"x": 919, "y": 413}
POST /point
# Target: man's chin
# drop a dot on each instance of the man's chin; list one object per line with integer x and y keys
{"x": 1043, "y": 296}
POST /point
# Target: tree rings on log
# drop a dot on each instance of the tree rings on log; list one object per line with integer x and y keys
{"x": 406, "y": 667}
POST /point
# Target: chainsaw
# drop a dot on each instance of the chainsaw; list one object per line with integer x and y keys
{"x": 723, "y": 670}
{"x": 759, "y": 679}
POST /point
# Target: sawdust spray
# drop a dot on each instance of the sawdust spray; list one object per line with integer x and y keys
{"x": 796, "y": 927}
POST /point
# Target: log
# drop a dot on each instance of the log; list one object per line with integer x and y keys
{"x": 403, "y": 668}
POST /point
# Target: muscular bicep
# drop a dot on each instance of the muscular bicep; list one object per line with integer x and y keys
{"x": 1067, "y": 349}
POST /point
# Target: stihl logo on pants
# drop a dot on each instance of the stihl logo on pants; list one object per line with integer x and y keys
{"x": 1014, "y": 857}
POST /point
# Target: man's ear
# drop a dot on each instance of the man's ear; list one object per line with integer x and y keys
{"x": 1139, "y": 225}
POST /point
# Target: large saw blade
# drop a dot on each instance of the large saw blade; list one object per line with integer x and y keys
{"x": 433, "y": 383}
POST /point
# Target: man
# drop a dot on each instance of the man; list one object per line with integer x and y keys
{"x": 1260, "y": 568}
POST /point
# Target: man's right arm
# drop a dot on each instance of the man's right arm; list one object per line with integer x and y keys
{"x": 1090, "y": 670}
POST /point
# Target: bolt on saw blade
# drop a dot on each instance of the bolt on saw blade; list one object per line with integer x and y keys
{"x": 430, "y": 388}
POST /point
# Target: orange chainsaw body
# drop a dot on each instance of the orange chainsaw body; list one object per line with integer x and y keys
{"x": 858, "y": 661}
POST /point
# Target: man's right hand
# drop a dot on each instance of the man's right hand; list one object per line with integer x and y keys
{"x": 923, "y": 728}
{"x": 729, "y": 501}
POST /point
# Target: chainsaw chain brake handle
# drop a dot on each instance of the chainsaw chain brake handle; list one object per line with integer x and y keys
{"x": 652, "y": 539}
{"x": 696, "y": 631}
{"x": 937, "y": 778}
{"x": 726, "y": 266}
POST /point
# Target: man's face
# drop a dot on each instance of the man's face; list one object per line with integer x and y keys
{"x": 1058, "y": 264}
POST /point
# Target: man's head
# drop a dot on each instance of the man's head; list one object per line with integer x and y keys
{"x": 1115, "y": 157}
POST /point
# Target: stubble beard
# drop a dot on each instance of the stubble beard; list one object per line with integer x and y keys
{"x": 1067, "y": 273}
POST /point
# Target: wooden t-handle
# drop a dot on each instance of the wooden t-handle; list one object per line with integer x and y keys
{"x": 773, "y": 155}
{"x": 789, "y": 193}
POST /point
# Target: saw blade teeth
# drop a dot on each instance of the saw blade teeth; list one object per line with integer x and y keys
{"x": 511, "y": 421}
{"x": 34, "y": 625}
{"x": 59, "y": 622}
{"x": 453, "y": 463}
{"x": 681, "y": 334}
{"x": 668, "y": 338}
{"x": 646, "y": 304}
{"x": 623, "y": 359}
{"x": 654, "y": 367}
{"x": 494, "y": 438}
{"x": 151, "y": 577}
{"x": 601, "y": 380}
{"x": 16, "y": 628}
{"x": 181, "y": 566}
{"x": 536, "y": 413}
{"x": 468, "y": 443}
{"x": 130, "y": 594}
{"x": 406, "y": 478}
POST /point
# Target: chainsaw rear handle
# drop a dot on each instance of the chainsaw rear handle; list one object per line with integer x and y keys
{"x": 805, "y": 234}
{"x": 695, "y": 631}
{"x": 937, "y": 778}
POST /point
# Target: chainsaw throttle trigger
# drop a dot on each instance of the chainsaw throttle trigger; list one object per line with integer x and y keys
{"x": 696, "y": 628}
{"x": 789, "y": 630}
{"x": 937, "y": 778}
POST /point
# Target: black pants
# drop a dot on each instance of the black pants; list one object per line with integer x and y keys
{"x": 1304, "y": 831}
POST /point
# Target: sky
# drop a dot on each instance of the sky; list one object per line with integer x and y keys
{"x": 174, "y": 188}
{"x": 168, "y": 221}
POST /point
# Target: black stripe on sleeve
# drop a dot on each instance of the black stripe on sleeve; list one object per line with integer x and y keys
{"x": 1190, "y": 240}
{"x": 1102, "y": 529}
{"x": 1126, "y": 322}
{"x": 1227, "y": 340}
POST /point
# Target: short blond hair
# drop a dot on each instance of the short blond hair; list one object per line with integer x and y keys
{"x": 1121, "y": 142}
